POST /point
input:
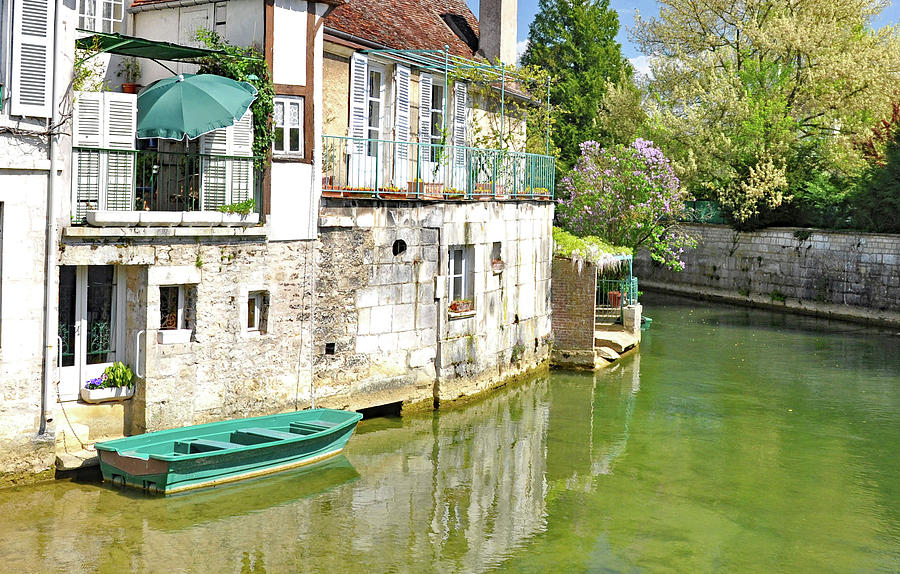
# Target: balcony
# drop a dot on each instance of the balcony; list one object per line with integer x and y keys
{"x": 113, "y": 187}
{"x": 384, "y": 169}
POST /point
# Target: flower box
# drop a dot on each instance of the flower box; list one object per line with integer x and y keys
{"x": 106, "y": 394}
{"x": 424, "y": 190}
{"x": 497, "y": 266}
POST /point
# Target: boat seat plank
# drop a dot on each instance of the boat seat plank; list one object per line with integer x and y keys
{"x": 305, "y": 428}
{"x": 202, "y": 445}
{"x": 267, "y": 433}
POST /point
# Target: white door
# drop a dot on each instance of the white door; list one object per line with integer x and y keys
{"x": 90, "y": 305}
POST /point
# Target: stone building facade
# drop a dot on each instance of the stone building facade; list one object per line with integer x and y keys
{"x": 385, "y": 328}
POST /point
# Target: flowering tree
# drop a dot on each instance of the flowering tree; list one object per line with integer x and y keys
{"x": 629, "y": 196}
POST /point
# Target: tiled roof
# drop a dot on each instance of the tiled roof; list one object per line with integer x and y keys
{"x": 408, "y": 24}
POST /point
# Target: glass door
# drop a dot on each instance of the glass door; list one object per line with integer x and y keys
{"x": 88, "y": 324}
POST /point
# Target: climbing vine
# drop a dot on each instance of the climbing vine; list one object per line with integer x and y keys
{"x": 523, "y": 96}
{"x": 245, "y": 65}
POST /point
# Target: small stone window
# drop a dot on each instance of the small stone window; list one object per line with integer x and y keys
{"x": 462, "y": 280}
{"x": 176, "y": 313}
{"x": 257, "y": 311}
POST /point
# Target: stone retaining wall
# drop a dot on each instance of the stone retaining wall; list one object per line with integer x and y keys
{"x": 805, "y": 269}
{"x": 384, "y": 330}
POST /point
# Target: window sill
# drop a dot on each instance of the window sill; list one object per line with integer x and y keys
{"x": 170, "y": 219}
{"x": 460, "y": 315}
{"x": 174, "y": 336}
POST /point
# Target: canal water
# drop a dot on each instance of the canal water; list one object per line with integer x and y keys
{"x": 735, "y": 441}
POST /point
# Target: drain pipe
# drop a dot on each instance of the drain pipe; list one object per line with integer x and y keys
{"x": 50, "y": 240}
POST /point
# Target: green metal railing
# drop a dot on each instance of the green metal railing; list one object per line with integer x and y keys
{"x": 385, "y": 169}
{"x": 151, "y": 180}
{"x": 613, "y": 295}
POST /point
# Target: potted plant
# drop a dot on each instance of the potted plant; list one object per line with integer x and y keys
{"x": 423, "y": 190}
{"x": 497, "y": 266}
{"x": 130, "y": 72}
{"x": 614, "y": 298}
{"x": 115, "y": 384}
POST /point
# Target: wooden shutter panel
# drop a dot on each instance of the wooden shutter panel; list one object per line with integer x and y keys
{"x": 425, "y": 81}
{"x": 119, "y": 125}
{"x": 359, "y": 74}
{"x": 241, "y": 144}
{"x": 401, "y": 125}
{"x": 32, "y": 76}
{"x": 213, "y": 170}
{"x": 460, "y": 99}
{"x": 88, "y": 124}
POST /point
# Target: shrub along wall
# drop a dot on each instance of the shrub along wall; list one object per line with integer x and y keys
{"x": 812, "y": 266}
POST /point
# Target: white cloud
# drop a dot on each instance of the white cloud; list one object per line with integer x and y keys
{"x": 520, "y": 49}
{"x": 641, "y": 65}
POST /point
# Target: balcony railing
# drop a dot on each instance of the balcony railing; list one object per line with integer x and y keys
{"x": 151, "y": 180}
{"x": 387, "y": 169}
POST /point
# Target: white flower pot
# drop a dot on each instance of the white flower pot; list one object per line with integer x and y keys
{"x": 106, "y": 394}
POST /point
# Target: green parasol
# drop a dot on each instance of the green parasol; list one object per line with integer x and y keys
{"x": 190, "y": 105}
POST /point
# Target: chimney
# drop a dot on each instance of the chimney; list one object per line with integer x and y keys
{"x": 497, "y": 30}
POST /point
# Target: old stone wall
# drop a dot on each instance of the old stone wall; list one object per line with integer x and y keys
{"x": 225, "y": 370}
{"x": 385, "y": 332}
{"x": 23, "y": 219}
{"x": 574, "y": 294}
{"x": 800, "y": 266}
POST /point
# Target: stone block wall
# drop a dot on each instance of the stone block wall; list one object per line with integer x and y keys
{"x": 574, "y": 298}
{"x": 224, "y": 371}
{"x": 387, "y": 313}
{"x": 826, "y": 267}
{"x": 23, "y": 219}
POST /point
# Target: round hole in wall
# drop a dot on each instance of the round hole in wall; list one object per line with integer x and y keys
{"x": 398, "y": 247}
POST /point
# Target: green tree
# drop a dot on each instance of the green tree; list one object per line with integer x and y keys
{"x": 574, "y": 40}
{"x": 759, "y": 98}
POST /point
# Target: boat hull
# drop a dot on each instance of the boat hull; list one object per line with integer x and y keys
{"x": 176, "y": 460}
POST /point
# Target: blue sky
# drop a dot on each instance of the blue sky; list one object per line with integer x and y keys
{"x": 626, "y": 8}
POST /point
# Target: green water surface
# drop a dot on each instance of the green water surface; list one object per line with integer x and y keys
{"x": 735, "y": 441}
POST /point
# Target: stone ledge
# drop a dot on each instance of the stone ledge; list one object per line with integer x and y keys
{"x": 261, "y": 231}
{"x": 799, "y": 306}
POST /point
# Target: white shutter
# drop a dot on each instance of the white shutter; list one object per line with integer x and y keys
{"x": 88, "y": 130}
{"x": 213, "y": 170}
{"x": 119, "y": 125}
{"x": 242, "y": 171}
{"x": 401, "y": 126}
{"x": 32, "y": 75}
{"x": 359, "y": 75}
{"x": 460, "y": 98}
{"x": 425, "y": 82}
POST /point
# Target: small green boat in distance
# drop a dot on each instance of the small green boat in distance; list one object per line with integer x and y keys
{"x": 174, "y": 460}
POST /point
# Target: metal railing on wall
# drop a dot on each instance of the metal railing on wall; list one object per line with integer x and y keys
{"x": 386, "y": 169}
{"x": 151, "y": 180}
{"x": 613, "y": 295}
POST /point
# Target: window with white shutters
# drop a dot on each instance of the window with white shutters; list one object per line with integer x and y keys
{"x": 32, "y": 43}
{"x": 103, "y": 164}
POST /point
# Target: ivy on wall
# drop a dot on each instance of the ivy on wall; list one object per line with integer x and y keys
{"x": 244, "y": 64}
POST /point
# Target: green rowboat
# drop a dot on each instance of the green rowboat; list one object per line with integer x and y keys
{"x": 197, "y": 456}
